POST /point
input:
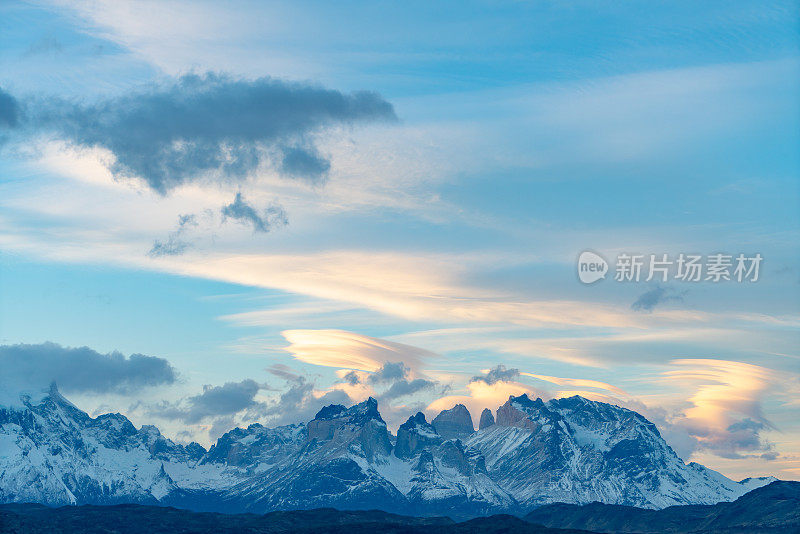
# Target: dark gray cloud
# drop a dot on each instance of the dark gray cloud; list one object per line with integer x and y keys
{"x": 211, "y": 123}
{"x": 214, "y": 402}
{"x": 174, "y": 245}
{"x": 389, "y": 372}
{"x": 9, "y": 112}
{"x": 80, "y": 370}
{"x": 395, "y": 375}
{"x": 227, "y": 399}
{"x": 401, "y": 388}
{"x": 744, "y": 434}
{"x": 351, "y": 378}
{"x": 263, "y": 221}
{"x": 740, "y": 439}
{"x": 301, "y": 162}
{"x": 498, "y": 373}
{"x": 648, "y": 300}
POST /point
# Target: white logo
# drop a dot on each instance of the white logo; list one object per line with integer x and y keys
{"x": 591, "y": 267}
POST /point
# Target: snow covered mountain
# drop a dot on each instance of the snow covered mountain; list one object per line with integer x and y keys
{"x": 579, "y": 451}
{"x": 533, "y": 452}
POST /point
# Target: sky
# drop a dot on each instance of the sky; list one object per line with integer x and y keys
{"x": 213, "y": 214}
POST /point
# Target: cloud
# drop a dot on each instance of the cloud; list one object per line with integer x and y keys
{"x": 389, "y": 373}
{"x": 656, "y": 296}
{"x": 581, "y": 383}
{"x": 227, "y": 399}
{"x": 299, "y": 162}
{"x": 80, "y": 370}
{"x": 9, "y": 111}
{"x": 725, "y": 413}
{"x": 206, "y": 126}
{"x": 398, "y": 378}
{"x": 499, "y": 373}
{"x": 404, "y": 387}
{"x": 174, "y": 245}
{"x": 171, "y": 247}
{"x": 348, "y": 350}
{"x": 301, "y": 401}
{"x": 240, "y": 210}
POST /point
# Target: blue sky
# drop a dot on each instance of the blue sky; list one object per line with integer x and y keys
{"x": 434, "y": 220}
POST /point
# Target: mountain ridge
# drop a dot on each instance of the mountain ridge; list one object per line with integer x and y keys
{"x": 535, "y": 452}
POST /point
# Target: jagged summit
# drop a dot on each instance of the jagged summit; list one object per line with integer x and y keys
{"x": 415, "y": 435}
{"x": 570, "y": 450}
{"x": 331, "y": 411}
{"x": 487, "y": 419}
{"x": 455, "y": 423}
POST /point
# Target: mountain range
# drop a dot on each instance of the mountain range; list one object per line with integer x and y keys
{"x": 528, "y": 454}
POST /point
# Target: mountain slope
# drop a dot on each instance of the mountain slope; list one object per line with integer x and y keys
{"x": 52, "y": 452}
{"x": 579, "y": 451}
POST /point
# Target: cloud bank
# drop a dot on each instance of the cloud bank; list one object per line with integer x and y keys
{"x": 215, "y": 401}
{"x": 80, "y": 370}
{"x": 202, "y": 126}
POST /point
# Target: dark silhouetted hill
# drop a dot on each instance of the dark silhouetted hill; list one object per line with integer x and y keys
{"x": 141, "y": 519}
{"x": 774, "y": 508}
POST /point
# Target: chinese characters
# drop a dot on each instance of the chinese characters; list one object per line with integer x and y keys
{"x": 687, "y": 268}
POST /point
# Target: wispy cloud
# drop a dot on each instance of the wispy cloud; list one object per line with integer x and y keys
{"x": 261, "y": 221}
{"x": 348, "y": 350}
{"x": 581, "y": 383}
{"x": 175, "y": 244}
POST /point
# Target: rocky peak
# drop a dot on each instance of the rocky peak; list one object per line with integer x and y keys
{"x": 243, "y": 446}
{"x": 523, "y": 412}
{"x": 116, "y": 423}
{"x": 455, "y": 423}
{"x": 54, "y": 402}
{"x": 334, "y": 416}
{"x": 367, "y": 409}
{"x": 415, "y": 435}
{"x": 487, "y": 419}
{"x": 195, "y": 451}
{"x": 332, "y": 411}
{"x": 360, "y": 428}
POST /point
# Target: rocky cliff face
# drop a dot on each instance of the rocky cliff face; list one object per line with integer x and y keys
{"x": 455, "y": 423}
{"x": 569, "y": 450}
{"x": 487, "y": 419}
{"x": 415, "y": 435}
